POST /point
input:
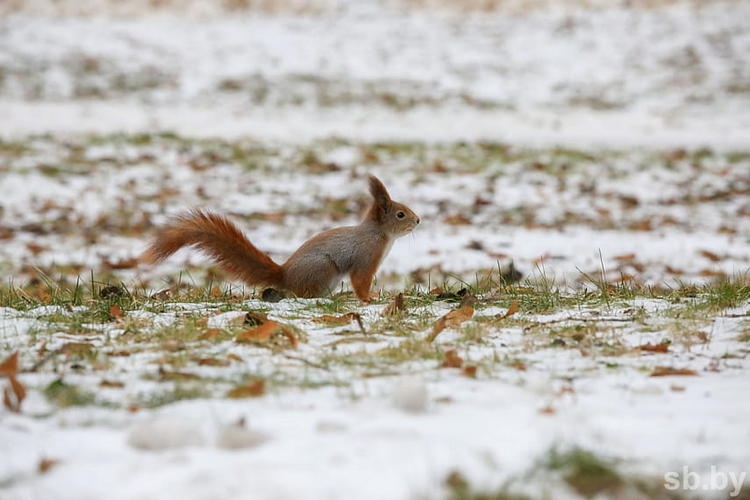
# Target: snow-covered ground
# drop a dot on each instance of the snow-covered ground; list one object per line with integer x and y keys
{"x": 673, "y": 76}
{"x": 610, "y": 141}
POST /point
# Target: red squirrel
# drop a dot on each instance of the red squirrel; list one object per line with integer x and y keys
{"x": 315, "y": 269}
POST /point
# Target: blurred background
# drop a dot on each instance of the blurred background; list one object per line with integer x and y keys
{"x": 571, "y": 133}
{"x": 563, "y": 71}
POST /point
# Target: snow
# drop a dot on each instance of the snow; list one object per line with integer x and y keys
{"x": 658, "y": 77}
{"x": 639, "y": 91}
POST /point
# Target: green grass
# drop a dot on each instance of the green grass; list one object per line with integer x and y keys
{"x": 63, "y": 394}
{"x": 99, "y": 313}
{"x": 585, "y": 472}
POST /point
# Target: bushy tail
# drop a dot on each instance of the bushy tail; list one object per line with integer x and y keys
{"x": 222, "y": 241}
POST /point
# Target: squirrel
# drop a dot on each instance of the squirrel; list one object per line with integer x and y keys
{"x": 315, "y": 269}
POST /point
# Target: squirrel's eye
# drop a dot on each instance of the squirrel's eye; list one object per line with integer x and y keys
{"x": 400, "y": 215}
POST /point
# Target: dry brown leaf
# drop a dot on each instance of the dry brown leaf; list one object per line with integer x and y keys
{"x": 547, "y": 410}
{"x": 14, "y": 395}
{"x": 234, "y": 357}
{"x": 212, "y": 362}
{"x": 662, "y": 347}
{"x": 470, "y": 371}
{"x": 512, "y": 309}
{"x": 336, "y": 320}
{"x": 626, "y": 257}
{"x": 176, "y": 376}
{"x": 18, "y": 389}
{"x": 9, "y": 366}
{"x": 457, "y": 220}
{"x": 111, "y": 383}
{"x": 116, "y": 312}
{"x": 673, "y": 270}
{"x": 458, "y": 316}
{"x": 46, "y": 464}
{"x": 642, "y": 225}
{"x": 452, "y": 360}
{"x": 35, "y": 248}
{"x": 210, "y": 334}
{"x": 266, "y": 332}
{"x": 77, "y": 348}
{"x": 450, "y": 320}
{"x": 253, "y": 389}
{"x": 712, "y": 273}
{"x": 519, "y": 365}
{"x": 665, "y": 371}
{"x": 713, "y": 257}
{"x": 120, "y": 353}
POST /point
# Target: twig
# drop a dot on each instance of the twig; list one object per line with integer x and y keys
{"x": 307, "y": 362}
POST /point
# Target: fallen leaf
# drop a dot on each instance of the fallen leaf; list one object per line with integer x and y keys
{"x": 336, "y": 320}
{"x": 35, "y": 248}
{"x": 9, "y": 366}
{"x": 712, "y": 273}
{"x": 116, "y": 312}
{"x": 513, "y": 309}
{"x": 120, "y": 353}
{"x": 713, "y": 257}
{"x": 626, "y": 257}
{"x": 470, "y": 371}
{"x": 665, "y": 371}
{"x": 452, "y": 360}
{"x": 79, "y": 349}
{"x": 210, "y": 334}
{"x": 547, "y": 410}
{"x": 14, "y": 395}
{"x": 642, "y": 225}
{"x": 234, "y": 357}
{"x": 253, "y": 389}
{"x": 457, "y": 220}
{"x": 677, "y": 388}
{"x": 46, "y": 464}
{"x": 450, "y": 320}
{"x": 673, "y": 270}
{"x": 176, "y": 376}
{"x": 266, "y": 333}
{"x": 111, "y": 383}
{"x": 212, "y": 362}
{"x": 519, "y": 365}
{"x": 661, "y": 347}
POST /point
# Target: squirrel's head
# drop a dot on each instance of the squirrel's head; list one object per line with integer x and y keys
{"x": 395, "y": 218}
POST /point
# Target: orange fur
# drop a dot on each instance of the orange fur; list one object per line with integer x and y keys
{"x": 221, "y": 240}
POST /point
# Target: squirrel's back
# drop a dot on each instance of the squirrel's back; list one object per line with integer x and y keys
{"x": 322, "y": 262}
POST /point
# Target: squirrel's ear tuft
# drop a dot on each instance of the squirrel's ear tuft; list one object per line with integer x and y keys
{"x": 380, "y": 194}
